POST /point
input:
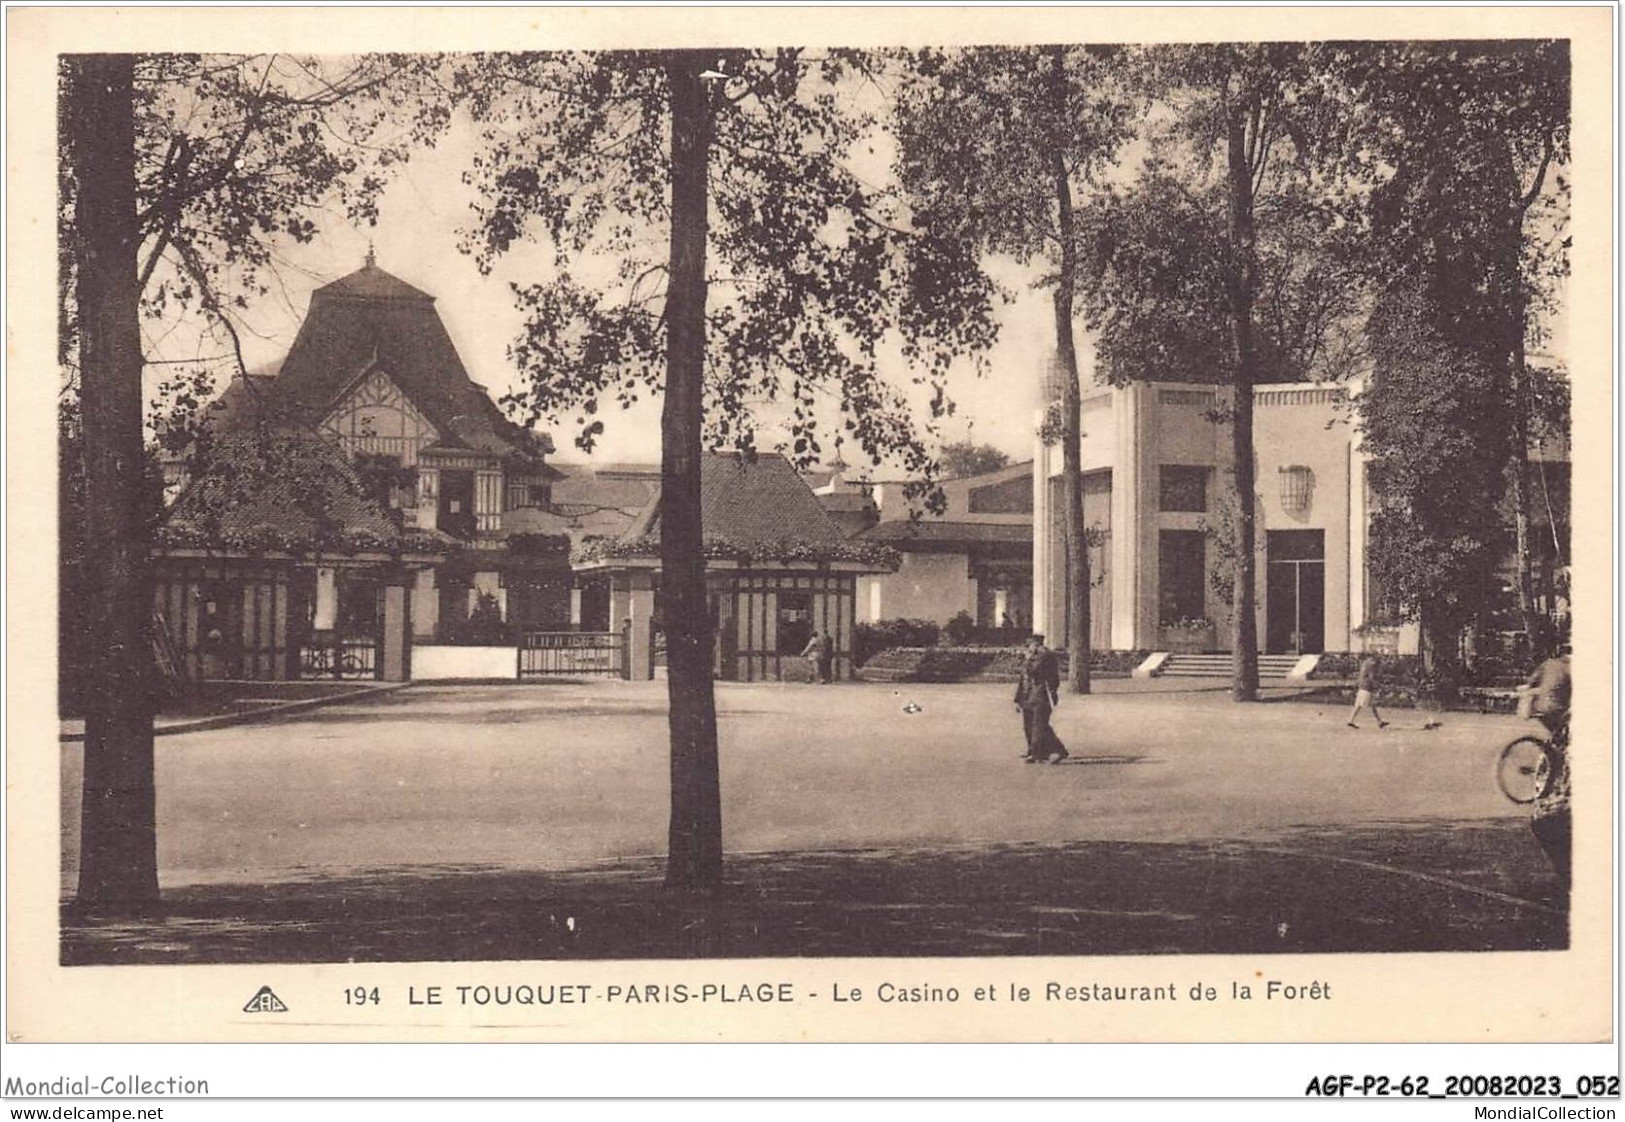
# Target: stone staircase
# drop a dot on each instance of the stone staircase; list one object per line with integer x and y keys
{"x": 1217, "y": 665}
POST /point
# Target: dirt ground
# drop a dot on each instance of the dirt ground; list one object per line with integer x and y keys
{"x": 527, "y": 822}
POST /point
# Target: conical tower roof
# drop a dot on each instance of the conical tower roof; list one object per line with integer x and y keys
{"x": 373, "y": 319}
{"x": 371, "y": 283}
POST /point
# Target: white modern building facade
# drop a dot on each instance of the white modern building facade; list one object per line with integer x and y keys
{"x": 1158, "y": 496}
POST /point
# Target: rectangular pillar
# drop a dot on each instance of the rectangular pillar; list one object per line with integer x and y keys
{"x": 327, "y": 599}
{"x": 1043, "y": 564}
{"x": 845, "y": 608}
{"x": 641, "y": 611}
{"x": 396, "y": 640}
{"x": 425, "y": 605}
{"x": 575, "y": 608}
{"x": 620, "y": 601}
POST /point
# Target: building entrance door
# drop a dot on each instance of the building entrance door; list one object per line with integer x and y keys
{"x": 456, "y": 516}
{"x": 795, "y": 622}
{"x": 1295, "y": 592}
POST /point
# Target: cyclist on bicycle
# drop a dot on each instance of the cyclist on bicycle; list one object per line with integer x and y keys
{"x": 1552, "y": 689}
{"x": 1551, "y": 823}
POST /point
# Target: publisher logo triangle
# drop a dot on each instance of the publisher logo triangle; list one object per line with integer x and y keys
{"x": 265, "y": 1002}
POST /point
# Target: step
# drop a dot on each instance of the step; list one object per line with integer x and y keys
{"x": 1218, "y": 665}
{"x": 1225, "y": 656}
{"x": 883, "y": 674}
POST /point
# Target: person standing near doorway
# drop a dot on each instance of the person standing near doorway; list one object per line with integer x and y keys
{"x": 826, "y": 658}
{"x": 1365, "y": 692}
{"x": 813, "y": 652}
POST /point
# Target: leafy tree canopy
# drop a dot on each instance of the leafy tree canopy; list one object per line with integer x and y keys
{"x": 812, "y": 267}
{"x": 1161, "y": 262}
{"x": 965, "y": 457}
{"x": 238, "y": 155}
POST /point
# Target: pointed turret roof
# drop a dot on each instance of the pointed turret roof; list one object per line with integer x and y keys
{"x": 373, "y": 319}
{"x": 371, "y": 283}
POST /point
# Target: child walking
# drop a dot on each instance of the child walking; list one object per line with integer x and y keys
{"x": 1365, "y": 689}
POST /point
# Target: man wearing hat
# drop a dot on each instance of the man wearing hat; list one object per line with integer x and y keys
{"x": 1038, "y": 691}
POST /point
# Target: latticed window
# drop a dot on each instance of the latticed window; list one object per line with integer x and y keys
{"x": 1297, "y": 488}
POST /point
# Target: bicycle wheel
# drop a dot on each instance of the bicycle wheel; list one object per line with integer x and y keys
{"x": 1521, "y": 770}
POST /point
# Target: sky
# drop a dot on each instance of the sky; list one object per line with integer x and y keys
{"x": 421, "y": 215}
{"x": 421, "y": 218}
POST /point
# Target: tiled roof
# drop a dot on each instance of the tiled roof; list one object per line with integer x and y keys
{"x": 371, "y": 283}
{"x": 603, "y": 500}
{"x": 752, "y": 503}
{"x": 371, "y": 318}
{"x": 900, "y": 532}
{"x": 260, "y": 487}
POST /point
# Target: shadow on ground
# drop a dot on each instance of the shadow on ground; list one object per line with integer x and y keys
{"x": 1441, "y": 886}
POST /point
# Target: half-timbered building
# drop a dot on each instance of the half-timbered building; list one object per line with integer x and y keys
{"x": 374, "y": 378}
{"x": 778, "y": 568}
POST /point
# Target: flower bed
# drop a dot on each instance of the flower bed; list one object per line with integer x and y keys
{"x": 1188, "y": 636}
{"x": 985, "y": 664}
{"x": 788, "y": 551}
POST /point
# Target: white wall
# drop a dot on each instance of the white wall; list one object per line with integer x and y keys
{"x": 430, "y": 662}
{"x": 1307, "y": 426}
{"x": 1137, "y": 429}
{"x": 933, "y": 586}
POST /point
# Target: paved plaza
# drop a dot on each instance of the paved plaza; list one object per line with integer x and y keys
{"x": 1176, "y": 802}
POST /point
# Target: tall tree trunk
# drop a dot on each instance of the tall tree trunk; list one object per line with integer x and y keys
{"x": 1533, "y": 621}
{"x": 1440, "y": 637}
{"x": 694, "y": 857}
{"x": 118, "y": 862}
{"x": 1244, "y": 665}
{"x": 1517, "y": 309}
{"x": 1077, "y": 539}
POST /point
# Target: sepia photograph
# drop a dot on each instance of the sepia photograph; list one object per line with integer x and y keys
{"x": 1099, "y": 499}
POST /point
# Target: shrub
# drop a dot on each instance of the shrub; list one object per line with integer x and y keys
{"x": 999, "y": 663}
{"x": 482, "y": 628}
{"x": 959, "y": 630}
{"x": 987, "y": 637}
{"x": 1403, "y": 673}
{"x": 868, "y": 639}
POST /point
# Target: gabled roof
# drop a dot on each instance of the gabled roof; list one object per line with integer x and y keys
{"x": 603, "y": 499}
{"x": 374, "y": 319}
{"x": 278, "y": 488}
{"x": 750, "y": 503}
{"x": 241, "y": 401}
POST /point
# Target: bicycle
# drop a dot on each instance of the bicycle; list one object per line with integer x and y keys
{"x": 1524, "y": 770}
{"x": 1528, "y": 766}
{"x": 319, "y": 662}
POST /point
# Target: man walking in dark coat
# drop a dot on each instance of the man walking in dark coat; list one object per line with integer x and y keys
{"x": 1038, "y": 691}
